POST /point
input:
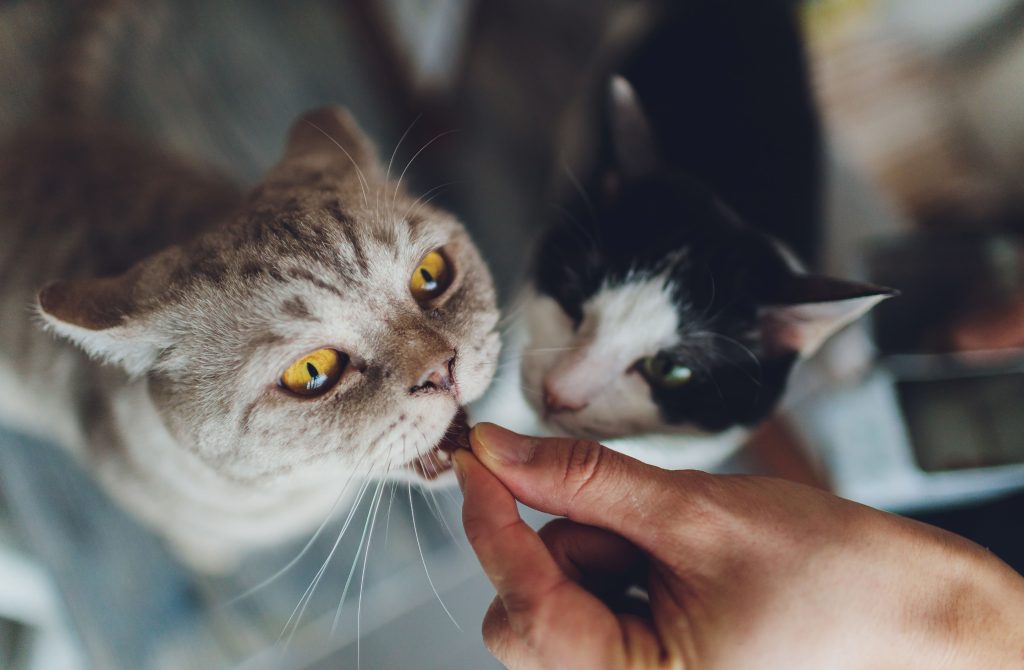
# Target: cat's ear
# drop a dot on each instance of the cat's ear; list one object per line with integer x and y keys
{"x": 632, "y": 136}
{"x": 331, "y": 134}
{"x": 806, "y": 310}
{"x": 111, "y": 318}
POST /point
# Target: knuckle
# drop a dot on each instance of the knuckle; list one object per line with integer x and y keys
{"x": 474, "y": 528}
{"x": 522, "y": 617}
{"x": 483, "y": 532}
{"x": 531, "y": 615}
{"x": 703, "y": 503}
{"x": 518, "y": 606}
{"x": 495, "y": 625}
{"x": 498, "y": 636}
{"x": 584, "y": 464}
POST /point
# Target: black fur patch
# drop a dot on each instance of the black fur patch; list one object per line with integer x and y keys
{"x": 722, "y": 272}
{"x": 725, "y": 92}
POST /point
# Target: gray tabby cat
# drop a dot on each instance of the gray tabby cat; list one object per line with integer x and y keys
{"x": 226, "y": 363}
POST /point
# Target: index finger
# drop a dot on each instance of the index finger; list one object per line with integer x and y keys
{"x": 556, "y": 618}
{"x": 589, "y": 483}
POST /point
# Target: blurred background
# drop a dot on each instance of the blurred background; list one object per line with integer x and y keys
{"x": 921, "y": 103}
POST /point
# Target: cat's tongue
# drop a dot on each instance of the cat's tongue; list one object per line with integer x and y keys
{"x": 438, "y": 460}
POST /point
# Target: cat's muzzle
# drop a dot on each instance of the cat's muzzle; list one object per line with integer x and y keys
{"x": 438, "y": 460}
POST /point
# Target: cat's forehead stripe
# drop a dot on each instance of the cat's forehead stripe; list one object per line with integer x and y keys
{"x": 306, "y": 275}
{"x": 355, "y": 247}
{"x": 296, "y": 308}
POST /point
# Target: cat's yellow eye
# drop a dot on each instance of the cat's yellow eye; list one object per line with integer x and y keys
{"x": 431, "y": 277}
{"x": 314, "y": 373}
{"x": 662, "y": 371}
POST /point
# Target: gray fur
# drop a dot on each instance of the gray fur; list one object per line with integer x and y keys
{"x": 177, "y": 301}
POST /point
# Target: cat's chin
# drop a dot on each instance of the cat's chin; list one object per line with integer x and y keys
{"x": 436, "y": 463}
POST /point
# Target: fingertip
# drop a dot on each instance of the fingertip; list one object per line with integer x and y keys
{"x": 474, "y": 432}
{"x": 479, "y": 434}
{"x": 497, "y": 446}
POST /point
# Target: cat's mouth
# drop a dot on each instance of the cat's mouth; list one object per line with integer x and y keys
{"x": 438, "y": 460}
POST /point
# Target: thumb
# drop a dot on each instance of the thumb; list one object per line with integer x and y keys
{"x": 583, "y": 481}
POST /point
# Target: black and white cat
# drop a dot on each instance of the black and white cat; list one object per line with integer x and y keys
{"x": 667, "y": 298}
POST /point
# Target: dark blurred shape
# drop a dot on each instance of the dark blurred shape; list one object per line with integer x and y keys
{"x": 961, "y": 292}
{"x": 725, "y": 84}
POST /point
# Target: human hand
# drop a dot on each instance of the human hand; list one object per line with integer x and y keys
{"x": 741, "y": 572}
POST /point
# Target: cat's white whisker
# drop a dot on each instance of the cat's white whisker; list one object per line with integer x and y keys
{"x": 387, "y": 516}
{"x": 401, "y": 139}
{"x": 447, "y": 493}
{"x": 312, "y": 540}
{"x": 432, "y": 192}
{"x": 711, "y": 377}
{"x": 714, "y": 291}
{"x": 419, "y": 548}
{"x": 416, "y": 155}
{"x": 440, "y": 513}
{"x": 362, "y": 579}
{"x": 363, "y": 184}
{"x": 531, "y": 391}
{"x": 355, "y": 564}
{"x": 519, "y": 385}
{"x": 511, "y": 315}
{"x": 579, "y": 189}
{"x": 288, "y": 566}
{"x": 423, "y": 203}
{"x": 307, "y": 596}
{"x": 743, "y": 347}
{"x": 436, "y": 514}
{"x": 541, "y": 350}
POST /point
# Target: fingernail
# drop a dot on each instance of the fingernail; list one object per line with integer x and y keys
{"x": 460, "y": 472}
{"x": 503, "y": 445}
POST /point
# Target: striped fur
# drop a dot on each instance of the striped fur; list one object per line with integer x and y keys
{"x": 175, "y": 300}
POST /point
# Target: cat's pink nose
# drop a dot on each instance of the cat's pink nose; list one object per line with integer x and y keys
{"x": 556, "y": 404}
{"x": 439, "y": 376}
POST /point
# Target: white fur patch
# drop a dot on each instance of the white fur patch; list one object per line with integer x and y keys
{"x": 593, "y": 366}
{"x": 633, "y": 319}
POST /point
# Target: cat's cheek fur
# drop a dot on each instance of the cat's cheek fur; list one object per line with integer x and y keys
{"x": 476, "y": 367}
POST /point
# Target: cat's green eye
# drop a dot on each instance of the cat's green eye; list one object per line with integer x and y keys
{"x": 314, "y": 373}
{"x": 662, "y": 371}
{"x": 431, "y": 277}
